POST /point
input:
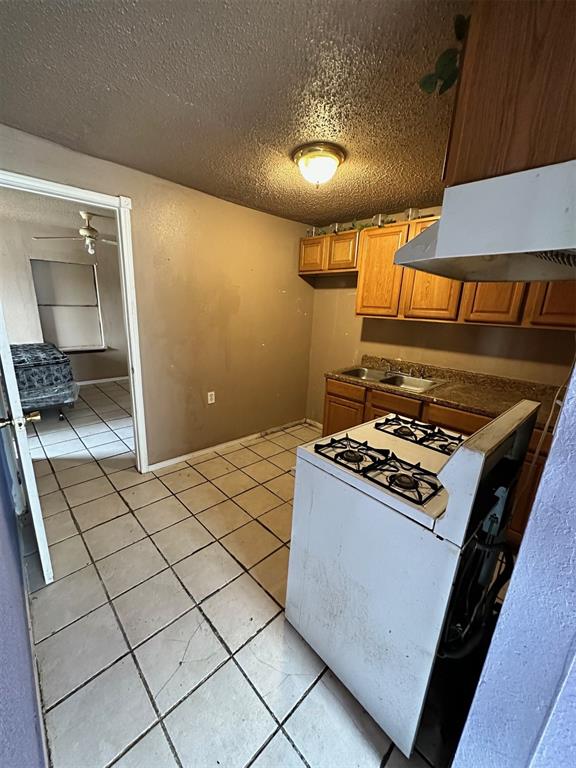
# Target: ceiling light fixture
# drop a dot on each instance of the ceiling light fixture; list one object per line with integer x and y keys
{"x": 319, "y": 161}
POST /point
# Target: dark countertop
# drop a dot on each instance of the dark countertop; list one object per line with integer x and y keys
{"x": 474, "y": 392}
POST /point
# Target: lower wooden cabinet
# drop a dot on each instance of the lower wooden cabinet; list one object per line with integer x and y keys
{"x": 492, "y": 302}
{"x": 343, "y": 406}
{"x": 525, "y": 492}
{"x": 341, "y": 414}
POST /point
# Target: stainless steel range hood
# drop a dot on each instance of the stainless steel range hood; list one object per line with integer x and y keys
{"x": 516, "y": 227}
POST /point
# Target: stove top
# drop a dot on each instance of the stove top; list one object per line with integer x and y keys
{"x": 383, "y": 467}
{"x": 351, "y": 453}
{"x": 417, "y": 432}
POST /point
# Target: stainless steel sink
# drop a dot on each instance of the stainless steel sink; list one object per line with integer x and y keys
{"x": 412, "y": 383}
{"x": 392, "y": 379}
{"x": 366, "y": 374}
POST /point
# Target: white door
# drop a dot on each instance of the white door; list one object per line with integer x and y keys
{"x": 15, "y": 441}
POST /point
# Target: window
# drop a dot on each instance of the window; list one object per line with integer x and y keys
{"x": 68, "y": 304}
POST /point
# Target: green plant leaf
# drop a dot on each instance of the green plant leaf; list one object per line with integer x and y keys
{"x": 446, "y": 63}
{"x": 428, "y": 83}
{"x": 461, "y": 26}
{"x": 449, "y": 81}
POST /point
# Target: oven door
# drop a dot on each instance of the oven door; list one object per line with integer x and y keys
{"x": 368, "y": 589}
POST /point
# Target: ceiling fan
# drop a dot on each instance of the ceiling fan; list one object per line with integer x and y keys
{"x": 86, "y": 232}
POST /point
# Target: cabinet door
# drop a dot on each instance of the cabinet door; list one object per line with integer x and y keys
{"x": 553, "y": 304}
{"x": 374, "y": 412}
{"x": 525, "y": 492}
{"x": 343, "y": 250}
{"x": 379, "y": 279}
{"x": 492, "y": 302}
{"x": 341, "y": 414}
{"x": 313, "y": 252}
{"x": 516, "y": 91}
{"x": 428, "y": 296}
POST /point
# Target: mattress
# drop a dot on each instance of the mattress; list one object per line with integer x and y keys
{"x": 44, "y": 376}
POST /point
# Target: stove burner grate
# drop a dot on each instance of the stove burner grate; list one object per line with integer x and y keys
{"x": 351, "y": 453}
{"x": 417, "y": 432}
{"x": 410, "y": 481}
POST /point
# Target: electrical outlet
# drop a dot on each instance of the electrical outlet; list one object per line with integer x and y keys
{"x": 211, "y": 398}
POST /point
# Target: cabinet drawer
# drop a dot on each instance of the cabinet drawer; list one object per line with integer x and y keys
{"x": 347, "y": 391}
{"x": 451, "y": 418}
{"x": 389, "y": 403}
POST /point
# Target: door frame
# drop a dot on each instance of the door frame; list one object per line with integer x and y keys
{"x": 121, "y": 206}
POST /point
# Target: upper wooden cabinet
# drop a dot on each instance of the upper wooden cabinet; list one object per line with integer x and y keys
{"x": 492, "y": 302}
{"x": 329, "y": 253}
{"x": 515, "y": 104}
{"x": 313, "y": 254}
{"x": 552, "y": 304}
{"x": 428, "y": 296}
{"x": 343, "y": 250}
{"x": 379, "y": 279}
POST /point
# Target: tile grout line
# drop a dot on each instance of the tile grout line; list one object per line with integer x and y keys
{"x": 149, "y": 536}
{"x": 130, "y": 652}
{"x": 229, "y": 650}
{"x": 195, "y": 604}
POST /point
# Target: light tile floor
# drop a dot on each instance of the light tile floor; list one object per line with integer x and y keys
{"x": 162, "y": 641}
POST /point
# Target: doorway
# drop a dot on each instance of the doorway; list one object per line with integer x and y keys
{"x": 68, "y": 297}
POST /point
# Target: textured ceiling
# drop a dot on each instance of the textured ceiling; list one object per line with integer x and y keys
{"x": 215, "y": 94}
{"x": 42, "y": 215}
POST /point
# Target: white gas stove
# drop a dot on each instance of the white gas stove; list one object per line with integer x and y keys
{"x": 384, "y": 517}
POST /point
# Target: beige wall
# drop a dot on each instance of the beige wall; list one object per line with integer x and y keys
{"x": 219, "y": 301}
{"x": 340, "y": 338}
{"x": 16, "y": 286}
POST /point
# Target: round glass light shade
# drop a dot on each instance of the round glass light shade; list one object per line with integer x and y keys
{"x": 318, "y": 162}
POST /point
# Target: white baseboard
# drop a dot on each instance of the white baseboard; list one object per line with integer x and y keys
{"x": 220, "y": 446}
{"x": 313, "y": 423}
{"x": 103, "y": 381}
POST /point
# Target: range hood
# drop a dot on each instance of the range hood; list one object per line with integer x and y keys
{"x": 516, "y": 227}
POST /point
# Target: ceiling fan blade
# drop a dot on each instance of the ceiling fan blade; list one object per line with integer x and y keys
{"x": 55, "y": 237}
{"x": 99, "y": 215}
{"x": 110, "y": 242}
